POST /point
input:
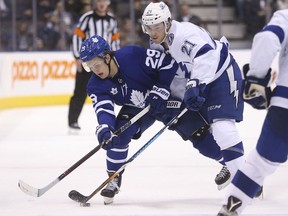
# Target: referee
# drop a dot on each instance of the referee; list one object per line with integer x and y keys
{"x": 100, "y": 22}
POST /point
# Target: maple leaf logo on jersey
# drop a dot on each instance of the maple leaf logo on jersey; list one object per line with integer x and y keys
{"x": 114, "y": 91}
{"x": 137, "y": 98}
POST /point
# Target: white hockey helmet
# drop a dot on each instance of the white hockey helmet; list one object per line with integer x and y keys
{"x": 156, "y": 13}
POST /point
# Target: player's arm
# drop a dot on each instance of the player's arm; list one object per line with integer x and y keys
{"x": 266, "y": 45}
{"x": 258, "y": 76}
{"x": 115, "y": 40}
{"x": 203, "y": 69}
{"x": 79, "y": 35}
{"x": 164, "y": 68}
{"x": 104, "y": 110}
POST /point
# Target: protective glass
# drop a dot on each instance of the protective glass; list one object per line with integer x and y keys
{"x": 89, "y": 66}
{"x": 157, "y": 28}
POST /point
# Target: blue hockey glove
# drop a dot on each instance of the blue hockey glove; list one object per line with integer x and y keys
{"x": 173, "y": 109}
{"x": 257, "y": 91}
{"x": 158, "y": 101}
{"x": 104, "y": 134}
{"x": 194, "y": 95}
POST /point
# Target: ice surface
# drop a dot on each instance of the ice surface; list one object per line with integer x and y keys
{"x": 169, "y": 178}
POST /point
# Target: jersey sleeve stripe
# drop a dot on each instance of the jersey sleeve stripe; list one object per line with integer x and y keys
{"x": 204, "y": 49}
{"x": 277, "y": 30}
{"x": 111, "y": 112}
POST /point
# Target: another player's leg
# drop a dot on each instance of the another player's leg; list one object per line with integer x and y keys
{"x": 77, "y": 100}
{"x": 192, "y": 127}
{"x": 224, "y": 108}
{"x": 116, "y": 157}
{"x": 208, "y": 147}
{"x": 270, "y": 152}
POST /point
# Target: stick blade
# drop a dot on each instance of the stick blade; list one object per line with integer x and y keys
{"x": 28, "y": 189}
{"x": 76, "y": 196}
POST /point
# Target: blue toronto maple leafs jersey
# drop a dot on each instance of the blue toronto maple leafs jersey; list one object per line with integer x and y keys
{"x": 139, "y": 69}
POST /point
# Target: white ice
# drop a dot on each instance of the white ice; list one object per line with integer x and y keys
{"x": 168, "y": 178}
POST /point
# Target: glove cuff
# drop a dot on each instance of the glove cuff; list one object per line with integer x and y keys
{"x": 101, "y": 127}
{"x": 161, "y": 92}
{"x": 192, "y": 83}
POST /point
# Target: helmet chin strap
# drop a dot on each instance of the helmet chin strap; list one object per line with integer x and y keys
{"x": 109, "y": 67}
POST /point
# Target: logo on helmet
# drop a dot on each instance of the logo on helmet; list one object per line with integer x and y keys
{"x": 95, "y": 40}
{"x": 162, "y": 6}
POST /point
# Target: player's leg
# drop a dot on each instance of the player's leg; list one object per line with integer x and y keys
{"x": 116, "y": 157}
{"x": 270, "y": 152}
{"x": 193, "y": 127}
{"x": 78, "y": 98}
{"x": 225, "y": 108}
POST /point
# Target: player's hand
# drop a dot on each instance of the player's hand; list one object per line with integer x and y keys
{"x": 257, "y": 91}
{"x": 194, "y": 95}
{"x": 158, "y": 100}
{"x": 106, "y": 136}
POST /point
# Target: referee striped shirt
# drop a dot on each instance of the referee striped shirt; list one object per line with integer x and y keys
{"x": 91, "y": 24}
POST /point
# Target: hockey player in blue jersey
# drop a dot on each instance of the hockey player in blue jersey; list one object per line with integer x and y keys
{"x": 211, "y": 79}
{"x": 125, "y": 78}
{"x": 272, "y": 146}
{"x": 133, "y": 77}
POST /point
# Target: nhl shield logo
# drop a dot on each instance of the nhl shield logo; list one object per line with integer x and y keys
{"x": 170, "y": 38}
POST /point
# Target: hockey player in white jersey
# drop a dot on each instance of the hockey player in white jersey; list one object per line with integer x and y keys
{"x": 212, "y": 81}
{"x": 272, "y": 147}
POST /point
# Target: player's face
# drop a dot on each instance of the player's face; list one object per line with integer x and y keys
{"x": 98, "y": 67}
{"x": 156, "y": 32}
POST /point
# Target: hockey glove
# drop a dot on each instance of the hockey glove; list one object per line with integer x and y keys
{"x": 257, "y": 91}
{"x": 158, "y": 101}
{"x": 194, "y": 96}
{"x": 106, "y": 136}
{"x": 173, "y": 109}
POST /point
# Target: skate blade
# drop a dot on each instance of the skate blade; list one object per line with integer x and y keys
{"x": 108, "y": 200}
{"x": 225, "y": 184}
{"x": 72, "y": 131}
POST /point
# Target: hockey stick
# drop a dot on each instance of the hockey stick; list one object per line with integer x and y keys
{"x": 32, "y": 191}
{"x": 78, "y": 197}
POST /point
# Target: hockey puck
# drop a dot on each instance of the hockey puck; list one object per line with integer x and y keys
{"x": 85, "y": 204}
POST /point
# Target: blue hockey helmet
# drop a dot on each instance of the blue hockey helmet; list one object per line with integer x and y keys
{"x": 93, "y": 47}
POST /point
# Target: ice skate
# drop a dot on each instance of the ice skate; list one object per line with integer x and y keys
{"x": 74, "y": 128}
{"x": 223, "y": 178}
{"x": 112, "y": 188}
{"x": 259, "y": 193}
{"x": 230, "y": 209}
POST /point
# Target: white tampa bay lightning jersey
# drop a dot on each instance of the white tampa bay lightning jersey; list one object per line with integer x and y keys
{"x": 266, "y": 44}
{"x": 138, "y": 70}
{"x": 197, "y": 53}
{"x": 178, "y": 85}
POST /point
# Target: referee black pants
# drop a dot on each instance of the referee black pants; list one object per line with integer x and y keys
{"x": 79, "y": 96}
